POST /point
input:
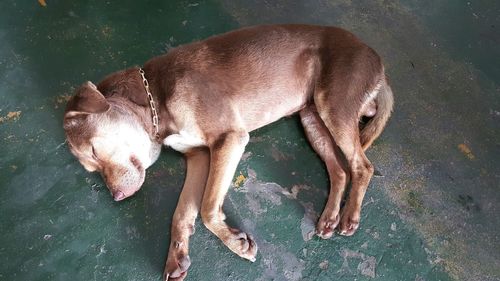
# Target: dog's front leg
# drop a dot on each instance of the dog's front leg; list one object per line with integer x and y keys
{"x": 225, "y": 154}
{"x": 198, "y": 163}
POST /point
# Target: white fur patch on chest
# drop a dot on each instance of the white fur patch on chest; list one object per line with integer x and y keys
{"x": 183, "y": 141}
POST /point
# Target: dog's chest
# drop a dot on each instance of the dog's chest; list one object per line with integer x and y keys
{"x": 183, "y": 141}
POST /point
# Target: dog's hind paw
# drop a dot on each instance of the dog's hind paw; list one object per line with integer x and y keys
{"x": 176, "y": 268}
{"x": 326, "y": 226}
{"x": 348, "y": 226}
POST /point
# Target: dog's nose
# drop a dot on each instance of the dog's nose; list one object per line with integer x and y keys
{"x": 118, "y": 196}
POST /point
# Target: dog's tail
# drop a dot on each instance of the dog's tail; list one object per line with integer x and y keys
{"x": 373, "y": 128}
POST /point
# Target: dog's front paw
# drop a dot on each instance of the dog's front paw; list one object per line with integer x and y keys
{"x": 326, "y": 225}
{"x": 349, "y": 222}
{"x": 242, "y": 244}
{"x": 176, "y": 267}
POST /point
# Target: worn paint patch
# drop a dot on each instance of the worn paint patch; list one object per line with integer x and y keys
{"x": 106, "y": 31}
{"x": 296, "y": 189}
{"x": 279, "y": 155}
{"x": 277, "y": 263}
{"x": 270, "y": 191}
{"x": 366, "y": 264}
{"x": 324, "y": 265}
{"x": 255, "y": 205}
{"x": 466, "y": 151}
{"x": 11, "y": 116}
{"x": 240, "y": 179}
{"x": 61, "y": 100}
{"x": 246, "y": 156}
{"x": 308, "y": 222}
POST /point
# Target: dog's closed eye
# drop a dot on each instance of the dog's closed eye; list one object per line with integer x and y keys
{"x": 137, "y": 164}
{"x": 94, "y": 154}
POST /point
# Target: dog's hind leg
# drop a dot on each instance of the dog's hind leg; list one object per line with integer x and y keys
{"x": 339, "y": 105}
{"x": 225, "y": 153}
{"x": 324, "y": 145}
{"x": 198, "y": 163}
{"x": 346, "y": 136}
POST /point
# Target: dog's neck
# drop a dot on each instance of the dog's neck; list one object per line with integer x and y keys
{"x": 152, "y": 105}
{"x": 165, "y": 126}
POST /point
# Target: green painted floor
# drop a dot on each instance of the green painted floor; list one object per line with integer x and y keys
{"x": 434, "y": 214}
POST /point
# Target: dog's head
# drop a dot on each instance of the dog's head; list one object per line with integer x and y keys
{"x": 107, "y": 135}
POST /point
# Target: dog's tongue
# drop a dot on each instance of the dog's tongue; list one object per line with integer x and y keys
{"x": 118, "y": 196}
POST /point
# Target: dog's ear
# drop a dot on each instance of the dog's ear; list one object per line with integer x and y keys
{"x": 88, "y": 100}
{"x": 127, "y": 84}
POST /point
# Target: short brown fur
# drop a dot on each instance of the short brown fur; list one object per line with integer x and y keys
{"x": 211, "y": 94}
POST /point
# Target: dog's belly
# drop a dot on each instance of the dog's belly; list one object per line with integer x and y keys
{"x": 261, "y": 112}
{"x": 280, "y": 94}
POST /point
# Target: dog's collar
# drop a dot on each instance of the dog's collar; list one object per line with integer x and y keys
{"x": 152, "y": 105}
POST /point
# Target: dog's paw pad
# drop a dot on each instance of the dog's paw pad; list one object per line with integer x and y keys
{"x": 326, "y": 227}
{"x": 176, "y": 268}
{"x": 348, "y": 226}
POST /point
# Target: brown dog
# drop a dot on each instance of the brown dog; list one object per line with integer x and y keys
{"x": 204, "y": 98}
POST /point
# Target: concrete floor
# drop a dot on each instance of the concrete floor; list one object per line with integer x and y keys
{"x": 432, "y": 215}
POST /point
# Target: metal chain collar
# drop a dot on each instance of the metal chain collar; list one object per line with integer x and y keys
{"x": 151, "y": 104}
